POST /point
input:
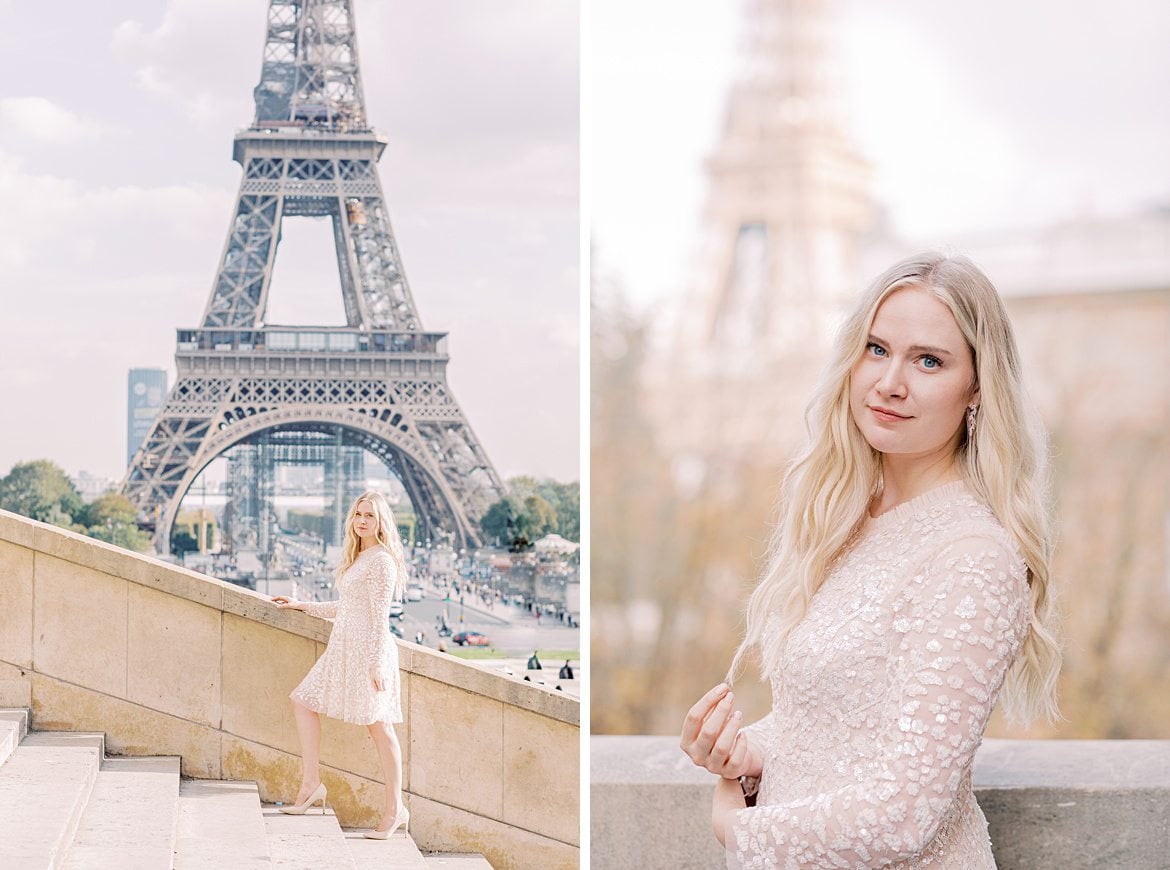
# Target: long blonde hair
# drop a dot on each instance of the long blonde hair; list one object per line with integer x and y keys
{"x": 387, "y": 536}
{"x": 828, "y": 487}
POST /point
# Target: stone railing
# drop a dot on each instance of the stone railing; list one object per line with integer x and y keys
{"x": 169, "y": 662}
{"x": 1050, "y": 804}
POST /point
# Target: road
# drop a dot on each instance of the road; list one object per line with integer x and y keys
{"x": 510, "y": 630}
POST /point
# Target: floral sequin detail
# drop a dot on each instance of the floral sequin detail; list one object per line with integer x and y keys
{"x": 884, "y": 692}
{"x": 340, "y": 684}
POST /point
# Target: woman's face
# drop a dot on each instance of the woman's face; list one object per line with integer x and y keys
{"x": 365, "y": 521}
{"x": 910, "y": 390}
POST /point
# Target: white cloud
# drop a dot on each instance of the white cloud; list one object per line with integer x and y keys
{"x": 37, "y": 121}
{"x": 193, "y": 56}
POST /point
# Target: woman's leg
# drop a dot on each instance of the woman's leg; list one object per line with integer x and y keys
{"x": 309, "y": 732}
{"x": 390, "y": 754}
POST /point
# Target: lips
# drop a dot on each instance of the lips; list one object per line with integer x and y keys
{"x": 886, "y": 415}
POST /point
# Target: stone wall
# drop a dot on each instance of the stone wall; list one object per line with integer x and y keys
{"x": 1050, "y": 804}
{"x": 169, "y": 662}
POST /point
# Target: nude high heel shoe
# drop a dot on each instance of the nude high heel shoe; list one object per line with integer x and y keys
{"x": 401, "y": 819}
{"x": 299, "y": 809}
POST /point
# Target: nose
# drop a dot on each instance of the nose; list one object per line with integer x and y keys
{"x": 891, "y": 383}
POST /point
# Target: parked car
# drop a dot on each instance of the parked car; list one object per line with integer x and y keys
{"x": 414, "y": 592}
{"x": 396, "y": 611}
{"x": 395, "y": 630}
{"x": 471, "y": 638}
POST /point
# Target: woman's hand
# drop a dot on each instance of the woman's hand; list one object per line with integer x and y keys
{"x": 379, "y": 681}
{"x": 285, "y": 603}
{"x": 728, "y": 799}
{"x": 710, "y": 737}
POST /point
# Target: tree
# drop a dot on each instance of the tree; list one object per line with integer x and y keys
{"x": 498, "y": 522}
{"x": 41, "y": 491}
{"x": 111, "y": 518}
{"x": 536, "y": 519}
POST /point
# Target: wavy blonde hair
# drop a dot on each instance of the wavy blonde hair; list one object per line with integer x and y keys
{"x": 387, "y": 536}
{"x": 828, "y": 487}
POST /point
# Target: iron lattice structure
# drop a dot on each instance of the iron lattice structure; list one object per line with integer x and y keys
{"x": 378, "y": 383}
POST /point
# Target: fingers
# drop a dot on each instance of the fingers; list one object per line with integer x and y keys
{"x": 699, "y": 748}
{"x": 698, "y": 713}
{"x": 712, "y": 728}
{"x": 737, "y": 762}
{"x": 721, "y": 752}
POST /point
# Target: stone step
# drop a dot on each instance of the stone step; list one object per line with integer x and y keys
{"x": 13, "y": 727}
{"x": 455, "y": 861}
{"x": 44, "y": 787}
{"x": 313, "y": 840}
{"x": 398, "y": 851}
{"x": 219, "y": 826}
{"x": 129, "y": 822}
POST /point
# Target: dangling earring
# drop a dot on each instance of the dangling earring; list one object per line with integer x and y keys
{"x": 972, "y": 410}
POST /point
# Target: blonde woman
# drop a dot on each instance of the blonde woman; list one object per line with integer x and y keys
{"x": 356, "y": 678}
{"x": 907, "y": 588}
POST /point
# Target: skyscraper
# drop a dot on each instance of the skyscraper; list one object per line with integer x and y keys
{"x": 146, "y": 392}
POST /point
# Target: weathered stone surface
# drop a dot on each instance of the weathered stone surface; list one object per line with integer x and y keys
{"x": 442, "y": 718}
{"x": 167, "y": 665}
{"x": 530, "y": 792}
{"x": 1050, "y": 805}
{"x": 130, "y": 729}
{"x": 15, "y": 686}
{"x": 357, "y": 801}
{"x": 16, "y": 597}
{"x": 261, "y": 665}
{"x": 440, "y": 828}
{"x": 166, "y": 661}
{"x": 78, "y": 611}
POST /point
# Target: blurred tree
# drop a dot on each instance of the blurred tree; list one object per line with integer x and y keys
{"x": 41, "y": 491}
{"x": 499, "y": 520}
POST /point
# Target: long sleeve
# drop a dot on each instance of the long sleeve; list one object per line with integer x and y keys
{"x": 323, "y": 609}
{"x": 957, "y": 626}
{"x": 754, "y": 734}
{"x": 380, "y": 577}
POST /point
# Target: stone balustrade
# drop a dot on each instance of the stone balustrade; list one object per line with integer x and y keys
{"x": 166, "y": 661}
{"x": 1050, "y": 804}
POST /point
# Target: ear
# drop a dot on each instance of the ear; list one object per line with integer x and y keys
{"x": 975, "y": 397}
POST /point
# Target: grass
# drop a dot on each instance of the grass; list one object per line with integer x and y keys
{"x": 545, "y": 655}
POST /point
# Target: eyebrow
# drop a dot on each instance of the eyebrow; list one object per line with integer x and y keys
{"x": 914, "y": 348}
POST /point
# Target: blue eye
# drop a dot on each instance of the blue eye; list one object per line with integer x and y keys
{"x": 931, "y": 362}
{"x": 876, "y": 349}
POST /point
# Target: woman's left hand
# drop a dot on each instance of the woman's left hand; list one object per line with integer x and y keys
{"x": 728, "y": 799}
{"x": 379, "y": 682}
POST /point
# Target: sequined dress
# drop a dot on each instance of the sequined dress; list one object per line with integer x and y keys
{"x": 340, "y": 683}
{"x": 883, "y": 694}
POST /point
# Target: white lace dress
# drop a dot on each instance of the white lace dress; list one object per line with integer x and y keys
{"x": 884, "y": 692}
{"x": 340, "y": 683}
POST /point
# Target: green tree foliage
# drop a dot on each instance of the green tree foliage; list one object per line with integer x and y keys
{"x": 498, "y": 523}
{"x": 532, "y": 509}
{"x": 111, "y": 518}
{"x": 41, "y": 491}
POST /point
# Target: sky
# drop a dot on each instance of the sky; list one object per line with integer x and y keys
{"x": 117, "y": 189}
{"x": 976, "y": 117}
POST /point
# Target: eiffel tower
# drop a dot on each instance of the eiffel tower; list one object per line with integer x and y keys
{"x": 377, "y": 383}
{"x": 788, "y": 199}
{"x": 786, "y": 213}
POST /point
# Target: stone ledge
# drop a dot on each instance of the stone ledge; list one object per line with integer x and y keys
{"x": 211, "y": 592}
{"x": 1050, "y": 805}
{"x": 165, "y": 660}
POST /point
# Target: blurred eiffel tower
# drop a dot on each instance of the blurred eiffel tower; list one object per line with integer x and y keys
{"x": 787, "y": 207}
{"x": 316, "y": 395}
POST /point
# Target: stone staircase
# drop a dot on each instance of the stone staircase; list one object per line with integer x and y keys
{"x": 63, "y": 804}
